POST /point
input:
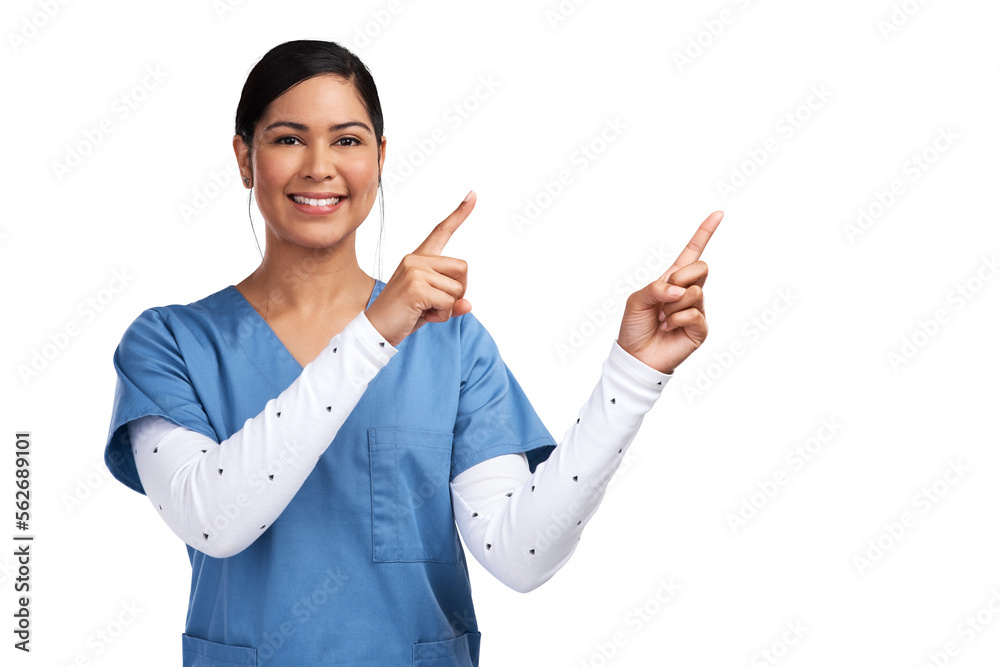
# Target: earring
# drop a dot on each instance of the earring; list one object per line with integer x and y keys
{"x": 246, "y": 181}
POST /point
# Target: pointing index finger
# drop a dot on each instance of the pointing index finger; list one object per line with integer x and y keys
{"x": 692, "y": 251}
{"x": 436, "y": 240}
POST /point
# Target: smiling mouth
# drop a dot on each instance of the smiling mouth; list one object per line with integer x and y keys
{"x": 314, "y": 202}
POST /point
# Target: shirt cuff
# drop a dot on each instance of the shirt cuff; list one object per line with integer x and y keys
{"x": 378, "y": 349}
{"x": 637, "y": 370}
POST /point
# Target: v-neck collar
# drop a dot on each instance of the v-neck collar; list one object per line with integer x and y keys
{"x": 261, "y": 343}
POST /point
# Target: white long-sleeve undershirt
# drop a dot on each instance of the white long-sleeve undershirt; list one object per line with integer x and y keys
{"x": 524, "y": 527}
{"x": 521, "y": 527}
{"x": 195, "y": 483}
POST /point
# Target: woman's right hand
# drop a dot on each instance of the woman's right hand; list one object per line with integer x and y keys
{"x": 426, "y": 287}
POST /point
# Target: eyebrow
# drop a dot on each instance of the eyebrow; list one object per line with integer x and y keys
{"x": 333, "y": 128}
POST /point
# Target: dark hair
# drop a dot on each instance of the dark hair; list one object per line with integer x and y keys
{"x": 293, "y": 62}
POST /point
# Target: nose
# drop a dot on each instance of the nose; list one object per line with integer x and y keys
{"x": 318, "y": 163}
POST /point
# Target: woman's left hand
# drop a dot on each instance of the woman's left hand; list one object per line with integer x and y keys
{"x": 662, "y": 329}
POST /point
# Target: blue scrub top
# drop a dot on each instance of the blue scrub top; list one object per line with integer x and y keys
{"x": 364, "y": 566}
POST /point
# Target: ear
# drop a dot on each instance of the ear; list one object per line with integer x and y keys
{"x": 381, "y": 161}
{"x": 243, "y": 160}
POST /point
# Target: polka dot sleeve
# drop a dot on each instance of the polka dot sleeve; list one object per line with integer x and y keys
{"x": 219, "y": 499}
{"x": 524, "y": 527}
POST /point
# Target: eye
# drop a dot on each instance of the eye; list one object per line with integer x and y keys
{"x": 286, "y": 140}
{"x": 338, "y": 142}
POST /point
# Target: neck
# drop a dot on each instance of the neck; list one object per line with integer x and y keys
{"x": 308, "y": 282}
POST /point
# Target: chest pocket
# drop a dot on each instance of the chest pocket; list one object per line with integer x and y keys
{"x": 412, "y": 519}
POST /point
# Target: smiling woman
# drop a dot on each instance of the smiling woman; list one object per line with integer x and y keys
{"x": 320, "y": 449}
{"x": 298, "y": 156}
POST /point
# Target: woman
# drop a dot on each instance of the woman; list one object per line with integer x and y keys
{"x": 314, "y": 435}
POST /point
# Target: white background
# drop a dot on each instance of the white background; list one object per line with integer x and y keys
{"x": 817, "y": 311}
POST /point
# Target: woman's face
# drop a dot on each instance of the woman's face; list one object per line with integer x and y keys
{"x": 315, "y": 163}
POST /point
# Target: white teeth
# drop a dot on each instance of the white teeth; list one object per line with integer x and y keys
{"x": 315, "y": 202}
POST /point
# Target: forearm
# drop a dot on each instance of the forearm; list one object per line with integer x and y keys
{"x": 524, "y": 527}
{"x": 220, "y": 497}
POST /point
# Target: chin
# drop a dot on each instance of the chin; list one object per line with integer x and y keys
{"x": 318, "y": 240}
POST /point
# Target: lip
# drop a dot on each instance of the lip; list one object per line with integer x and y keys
{"x": 316, "y": 210}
